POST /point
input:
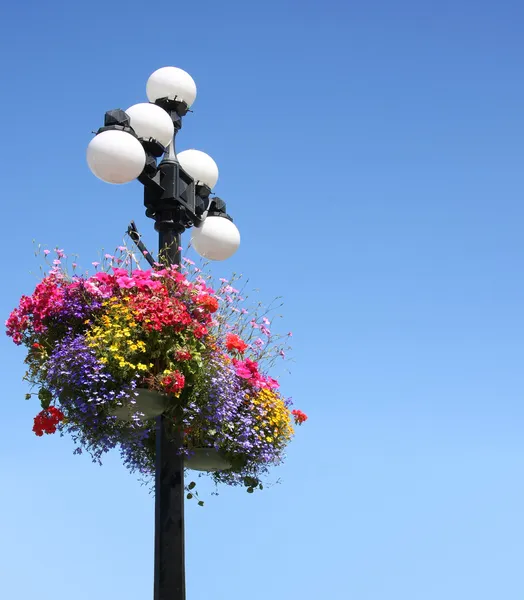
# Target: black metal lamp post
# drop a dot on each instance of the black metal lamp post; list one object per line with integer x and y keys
{"x": 177, "y": 195}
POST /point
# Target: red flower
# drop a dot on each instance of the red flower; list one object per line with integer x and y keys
{"x": 157, "y": 312}
{"x": 233, "y": 342}
{"x": 56, "y": 413}
{"x": 47, "y": 420}
{"x": 210, "y": 303}
{"x": 174, "y": 383}
{"x": 300, "y": 417}
{"x": 37, "y": 346}
{"x": 183, "y": 355}
{"x": 200, "y": 331}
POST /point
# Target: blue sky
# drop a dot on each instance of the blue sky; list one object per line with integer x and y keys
{"x": 371, "y": 154}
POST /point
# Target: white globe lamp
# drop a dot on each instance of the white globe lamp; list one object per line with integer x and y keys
{"x": 116, "y": 156}
{"x": 202, "y": 168}
{"x": 151, "y": 121}
{"x": 217, "y": 238}
{"x": 172, "y": 83}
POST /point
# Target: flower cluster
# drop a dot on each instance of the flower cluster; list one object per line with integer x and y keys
{"x": 46, "y": 421}
{"x": 174, "y": 382}
{"x": 299, "y": 416}
{"x": 95, "y": 341}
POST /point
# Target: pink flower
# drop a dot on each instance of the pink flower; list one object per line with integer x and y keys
{"x": 46, "y": 252}
{"x": 265, "y": 330}
{"x": 125, "y": 282}
{"x": 242, "y": 371}
{"x": 248, "y": 369}
{"x": 95, "y": 264}
{"x": 103, "y": 277}
{"x": 230, "y": 290}
{"x": 272, "y": 383}
{"x": 266, "y": 321}
{"x": 254, "y": 324}
{"x": 108, "y": 256}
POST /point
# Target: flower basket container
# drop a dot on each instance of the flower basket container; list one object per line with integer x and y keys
{"x": 149, "y": 404}
{"x": 206, "y": 459}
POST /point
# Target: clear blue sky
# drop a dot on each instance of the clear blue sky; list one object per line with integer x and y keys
{"x": 372, "y": 155}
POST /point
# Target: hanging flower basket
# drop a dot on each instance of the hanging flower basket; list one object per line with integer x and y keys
{"x": 133, "y": 344}
{"x": 206, "y": 459}
{"x": 146, "y": 405}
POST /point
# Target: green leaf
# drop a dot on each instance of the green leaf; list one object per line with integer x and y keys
{"x": 192, "y": 485}
{"x": 260, "y": 487}
{"x": 189, "y": 496}
{"x": 200, "y": 503}
{"x": 45, "y": 398}
{"x": 28, "y": 396}
{"x": 250, "y": 490}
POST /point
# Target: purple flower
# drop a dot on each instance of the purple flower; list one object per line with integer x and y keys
{"x": 86, "y": 391}
{"x": 229, "y": 423}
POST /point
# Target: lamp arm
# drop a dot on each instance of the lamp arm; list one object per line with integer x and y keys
{"x": 133, "y": 233}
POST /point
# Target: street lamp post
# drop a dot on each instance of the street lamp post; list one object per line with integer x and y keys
{"x": 177, "y": 196}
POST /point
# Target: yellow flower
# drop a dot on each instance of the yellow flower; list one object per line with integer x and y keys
{"x": 273, "y": 416}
